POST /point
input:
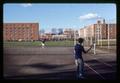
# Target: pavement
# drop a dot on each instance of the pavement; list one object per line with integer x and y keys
{"x": 56, "y": 63}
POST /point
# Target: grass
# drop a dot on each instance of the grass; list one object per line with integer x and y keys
{"x": 60, "y": 43}
{"x": 105, "y": 43}
{"x": 50, "y": 43}
{"x": 38, "y": 43}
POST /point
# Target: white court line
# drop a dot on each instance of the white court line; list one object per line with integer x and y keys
{"x": 103, "y": 63}
{"x": 94, "y": 71}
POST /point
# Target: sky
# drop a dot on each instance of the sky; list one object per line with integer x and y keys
{"x": 50, "y": 16}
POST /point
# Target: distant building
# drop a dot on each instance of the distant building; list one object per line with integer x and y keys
{"x": 47, "y": 36}
{"x": 59, "y": 37}
{"x": 20, "y": 31}
{"x": 69, "y": 33}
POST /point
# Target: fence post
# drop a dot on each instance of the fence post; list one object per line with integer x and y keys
{"x": 94, "y": 44}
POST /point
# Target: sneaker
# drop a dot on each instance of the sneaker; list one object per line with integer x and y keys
{"x": 81, "y": 76}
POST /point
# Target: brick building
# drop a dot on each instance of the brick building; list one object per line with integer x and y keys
{"x": 98, "y": 31}
{"x": 112, "y": 31}
{"x": 20, "y": 31}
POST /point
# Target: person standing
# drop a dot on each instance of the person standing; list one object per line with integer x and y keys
{"x": 43, "y": 43}
{"x": 78, "y": 49}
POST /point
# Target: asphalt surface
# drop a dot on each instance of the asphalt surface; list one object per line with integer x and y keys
{"x": 56, "y": 63}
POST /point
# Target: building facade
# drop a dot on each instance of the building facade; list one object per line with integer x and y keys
{"x": 59, "y": 37}
{"x": 98, "y": 31}
{"x": 47, "y": 36}
{"x": 69, "y": 33}
{"x": 20, "y": 31}
{"x": 112, "y": 31}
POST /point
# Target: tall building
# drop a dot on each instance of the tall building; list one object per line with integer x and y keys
{"x": 98, "y": 31}
{"x": 112, "y": 31}
{"x": 20, "y": 31}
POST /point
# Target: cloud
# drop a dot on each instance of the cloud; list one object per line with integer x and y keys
{"x": 89, "y": 16}
{"x": 26, "y": 5}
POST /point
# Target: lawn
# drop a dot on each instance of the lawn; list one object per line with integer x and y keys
{"x": 50, "y": 43}
{"x": 105, "y": 43}
{"x": 38, "y": 43}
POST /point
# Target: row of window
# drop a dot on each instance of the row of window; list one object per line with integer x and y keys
{"x": 19, "y": 28}
{"x": 20, "y": 25}
{"x": 22, "y": 32}
{"x": 18, "y": 35}
{"x": 19, "y": 38}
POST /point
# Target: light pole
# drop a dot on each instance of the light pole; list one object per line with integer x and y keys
{"x": 100, "y": 26}
{"x": 97, "y": 35}
{"x": 101, "y": 33}
{"x": 94, "y": 45}
{"x": 74, "y": 37}
{"x": 108, "y": 37}
{"x": 108, "y": 34}
{"x": 85, "y": 37}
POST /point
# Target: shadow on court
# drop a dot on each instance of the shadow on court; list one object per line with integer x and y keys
{"x": 65, "y": 74}
{"x": 52, "y": 63}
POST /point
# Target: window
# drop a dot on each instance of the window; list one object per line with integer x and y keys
{"x": 111, "y": 31}
{"x": 27, "y": 25}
